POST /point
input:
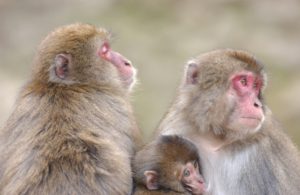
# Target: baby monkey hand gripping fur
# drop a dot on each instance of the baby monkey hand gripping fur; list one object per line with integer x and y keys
{"x": 72, "y": 130}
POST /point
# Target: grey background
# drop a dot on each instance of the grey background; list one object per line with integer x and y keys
{"x": 159, "y": 37}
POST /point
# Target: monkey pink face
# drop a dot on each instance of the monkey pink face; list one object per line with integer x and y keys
{"x": 192, "y": 179}
{"x": 123, "y": 65}
{"x": 244, "y": 91}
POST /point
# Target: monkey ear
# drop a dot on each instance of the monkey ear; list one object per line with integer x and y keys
{"x": 151, "y": 179}
{"x": 62, "y": 62}
{"x": 192, "y": 73}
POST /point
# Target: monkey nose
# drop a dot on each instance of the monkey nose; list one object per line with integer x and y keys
{"x": 200, "y": 180}
{"x": 127, "y": 63}
{"x": 257, "y": 104}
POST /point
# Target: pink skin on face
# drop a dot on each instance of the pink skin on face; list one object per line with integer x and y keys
{"x": 247, "y": 87}
{"x": 192, "y": 179}
{"x": 123, "y": 65}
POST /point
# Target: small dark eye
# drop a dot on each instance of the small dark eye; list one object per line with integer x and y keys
{"x": 255, "y": 85}
{"x": 186, "y": 173}
{"x": 195, "y": 164}
{"x": 243, "y": 81}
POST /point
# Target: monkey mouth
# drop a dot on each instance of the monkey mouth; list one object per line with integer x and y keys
{"x": 251, "y": 118}
{"x": 250, "y": 121}
{"x": 199, "y": 188}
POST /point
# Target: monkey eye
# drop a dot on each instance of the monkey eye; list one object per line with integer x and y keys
{"x": 243, "y": 81}
{"x": 255, "y": 85}
{"x": 186, "y": 173}
{"x": 195, "y": 164}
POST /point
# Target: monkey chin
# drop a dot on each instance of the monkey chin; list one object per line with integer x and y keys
{"x": 258, "y": 127}
{"x": 131, "y": 81}
{"x": 250, "y": 123}
{"x": 244, "y": 127}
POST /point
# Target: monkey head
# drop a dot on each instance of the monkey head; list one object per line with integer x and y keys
{"x": 172, "y": 165}
{"x": 223, "y": 89}
{"x": 80, "y": 54}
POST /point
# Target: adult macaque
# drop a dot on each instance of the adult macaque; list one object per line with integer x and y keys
{"x": 72, "y": 130}
{"x": 169, "y": 165}
{"x": 220, "y": 108}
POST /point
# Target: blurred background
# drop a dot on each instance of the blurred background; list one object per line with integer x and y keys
{"x": 159, "y": 37}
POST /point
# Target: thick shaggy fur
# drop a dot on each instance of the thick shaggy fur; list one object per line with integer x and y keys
{"x": 69, "y": 138}
{"x": 264, "y": 161}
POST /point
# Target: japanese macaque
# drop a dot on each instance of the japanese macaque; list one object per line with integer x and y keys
{"x": 168, "y": 165}
{"x": 220, "y": 107}
{"x": 72, "y": 130}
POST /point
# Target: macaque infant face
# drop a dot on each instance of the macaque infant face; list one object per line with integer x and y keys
{"x": 191, "y": 178}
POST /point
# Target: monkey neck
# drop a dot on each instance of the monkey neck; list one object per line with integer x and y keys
{"x": 175, "y": 123}
{"x": 209, "y": 141}
{"x": 40, "y": 88}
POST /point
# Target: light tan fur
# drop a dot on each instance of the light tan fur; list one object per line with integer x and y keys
{"x": 235, "y": 161}
{"x": 74, "y": 137}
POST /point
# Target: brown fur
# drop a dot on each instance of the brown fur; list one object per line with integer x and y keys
{"x": 234, "y": 162}
{"x": 74, "y": 138}
{"x": 163, "y": 156}
{"x": 142, "y": 190}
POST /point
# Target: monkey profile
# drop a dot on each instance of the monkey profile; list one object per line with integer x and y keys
{"x": 220, "y": 107}
{"x": 72, "y": 130}
{"x": 168, "y": 165}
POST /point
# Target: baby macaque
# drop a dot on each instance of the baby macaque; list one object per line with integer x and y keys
{"x": 169, "y": 165}
{"x": 220, "y": 107}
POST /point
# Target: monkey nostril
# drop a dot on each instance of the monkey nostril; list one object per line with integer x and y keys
{"x": 127, "y": 63}
{"x": 256, "y": 105}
